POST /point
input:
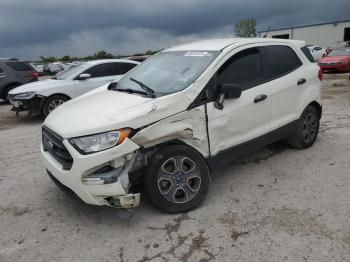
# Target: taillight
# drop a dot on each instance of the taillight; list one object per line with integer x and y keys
{"x": 35, "y": 74}
{"x": 320, "y": 74}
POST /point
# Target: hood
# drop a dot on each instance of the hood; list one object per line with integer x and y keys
{"x": 109, "y": 110}
{"x": 334, "y": 58}
{"x": 38, "y": 86}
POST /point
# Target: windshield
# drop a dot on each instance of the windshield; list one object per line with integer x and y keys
{"x": 168, "y": 72}
{"x": 340, "y": 52}
{"x": 72, "y": 70}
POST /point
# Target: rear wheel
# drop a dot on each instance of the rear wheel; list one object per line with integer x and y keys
{"x": 177, "y": 179}
{"x": 307, "y": 129}
{"x": 52, "y": 103}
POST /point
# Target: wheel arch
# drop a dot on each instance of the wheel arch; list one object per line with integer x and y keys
{"x": 318, "y": 107}
{"x": 47, "y": 97}
{"x": 137, "y": 175}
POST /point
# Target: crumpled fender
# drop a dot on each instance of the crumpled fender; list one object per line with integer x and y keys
{"x": 188, "y": 126}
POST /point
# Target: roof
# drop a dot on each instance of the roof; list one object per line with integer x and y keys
{"x": 301, "y": 26}
{"x": 222, "y": 43}
{"x": 100, "y": 61}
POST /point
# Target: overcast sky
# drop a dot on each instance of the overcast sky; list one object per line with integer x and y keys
{"x": 30, "y": 28}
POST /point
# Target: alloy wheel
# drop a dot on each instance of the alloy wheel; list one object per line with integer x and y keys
{"x": 310, "y": 126}
{"x": 179, "y": 179}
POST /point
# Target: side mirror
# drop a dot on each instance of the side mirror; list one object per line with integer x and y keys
{"x": 84, "y": 76}
{"x": 227, "y": 91}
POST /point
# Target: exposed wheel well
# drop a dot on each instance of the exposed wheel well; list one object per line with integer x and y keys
{"x": 136, "y": 177}
{"x": 318, "y": 107}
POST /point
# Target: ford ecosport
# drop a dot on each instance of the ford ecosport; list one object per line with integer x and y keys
{"x": 168, "y": 123}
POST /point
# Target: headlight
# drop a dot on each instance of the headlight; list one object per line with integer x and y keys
{"x": 100, "y": 142}
{"x": 26, "y": 95}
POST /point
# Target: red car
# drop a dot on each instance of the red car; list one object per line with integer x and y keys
{"x": 337, "y": 61}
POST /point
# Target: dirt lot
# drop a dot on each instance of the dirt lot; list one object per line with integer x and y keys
{"x": 280, "y": 204}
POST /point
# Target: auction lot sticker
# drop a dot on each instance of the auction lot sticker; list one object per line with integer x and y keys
{"x": 196, "y": 53}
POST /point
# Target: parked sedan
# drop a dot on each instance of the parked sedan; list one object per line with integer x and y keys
{"x": 317, "y": 52}
{"x": 45, "y": 96}
{"x": 337, "y": 45}
{"x": 337, "y": 61}
{"x": 52, "y": 69}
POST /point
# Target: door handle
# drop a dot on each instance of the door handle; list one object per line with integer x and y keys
{"x": 260, "y": 98}
{"x": 301, "y": 81}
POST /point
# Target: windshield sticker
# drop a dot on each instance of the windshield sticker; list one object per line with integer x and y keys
{"x": 193, "y": 53}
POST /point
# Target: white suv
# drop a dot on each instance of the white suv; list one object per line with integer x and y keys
{"x": 45, "y": 96}
{"x": 172, "y": 120}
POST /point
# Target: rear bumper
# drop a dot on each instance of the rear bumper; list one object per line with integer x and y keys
{"x": 341, "y": 68}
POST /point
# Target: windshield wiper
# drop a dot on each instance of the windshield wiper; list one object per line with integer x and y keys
{"x": 149, "y": 91}
{"x": 113, "y": 86}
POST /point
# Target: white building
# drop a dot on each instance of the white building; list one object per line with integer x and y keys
{"x": 324, "y": 34}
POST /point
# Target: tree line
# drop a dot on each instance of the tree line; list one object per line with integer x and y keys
{"x": 102, "y": 54}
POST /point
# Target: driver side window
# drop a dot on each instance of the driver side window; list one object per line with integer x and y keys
{"x": 242, "y": 69}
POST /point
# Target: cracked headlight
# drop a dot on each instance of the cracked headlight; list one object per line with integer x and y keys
{"x": 26, "y": 95}
{"x": 99, "y": 142}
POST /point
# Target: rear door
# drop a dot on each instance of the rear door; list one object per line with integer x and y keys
{"x": 100, "y": 75}
{"x": 286, "y": 80}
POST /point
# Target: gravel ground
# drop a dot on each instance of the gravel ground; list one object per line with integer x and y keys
{"x": 279, "y": 204}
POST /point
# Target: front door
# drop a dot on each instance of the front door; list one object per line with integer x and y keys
{"x": 244, "y": 118}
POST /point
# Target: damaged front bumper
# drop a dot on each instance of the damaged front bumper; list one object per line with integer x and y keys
{"x": 32, "y": 105}
{"x": 97, "y": 179}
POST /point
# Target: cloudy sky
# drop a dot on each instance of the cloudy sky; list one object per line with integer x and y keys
{"x": 30, "y": 28}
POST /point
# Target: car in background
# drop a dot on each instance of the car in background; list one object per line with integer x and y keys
{"x": 38, "y": 68}
{"x": 317, "y": 52}
{"x": 45, "y": 96}
{"x": 52, "y": 69}
{"x": 337, "y": 61}
{"x": 138, "y": 58}
{"x": 13, "y": 73}
{"x": 337, "y": 45}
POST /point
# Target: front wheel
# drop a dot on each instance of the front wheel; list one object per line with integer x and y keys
{"x": 52, "y": 103}
{"x": 307, "y": 129}
{"x": 177, "y": 179}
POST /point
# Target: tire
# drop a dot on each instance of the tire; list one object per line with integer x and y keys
{"x": 7, "y": 90}
{"x": 52, "y": 103}
{"x": 174, "y": 189}
{"x": 307, "y": 129}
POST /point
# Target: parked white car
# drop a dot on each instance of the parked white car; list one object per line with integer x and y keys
{"x": 177, "y": 116}
{"x": 45, "y": 96}
{"x": 317, "y": 52}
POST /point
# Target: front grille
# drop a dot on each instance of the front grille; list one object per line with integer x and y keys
{"x": 52, "y": 143}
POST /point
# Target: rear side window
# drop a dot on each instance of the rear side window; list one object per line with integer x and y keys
{"x": 101, "y": 70}
{"x": 19, "y": 66}
{"x": 109, "y": 69}
{"x": 307, "y": 53}
{"x": 242, "y": 69}
{"x": 1, "y": 71}
{"x": 123, "y": 68}
{"x": 279, "y": 60}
